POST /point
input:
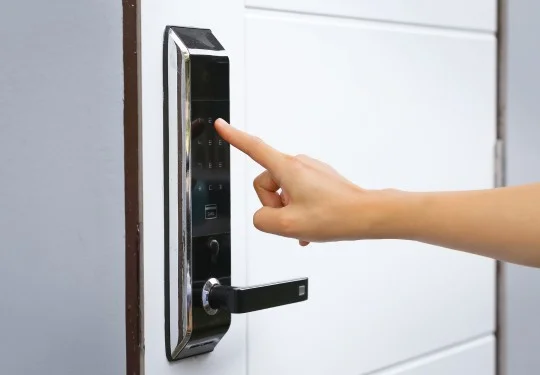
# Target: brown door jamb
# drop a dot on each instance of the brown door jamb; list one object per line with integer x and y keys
{"x": 131, "y": 181}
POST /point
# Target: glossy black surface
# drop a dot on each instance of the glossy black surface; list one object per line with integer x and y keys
{"x": 198, "y": 38}
{"x": 208, "y": 329}
{"x": 210, "y": 187}
{"x": 212, "y": 76}
{"x": 210, "y": 171}
{"x": 210, "y": 197}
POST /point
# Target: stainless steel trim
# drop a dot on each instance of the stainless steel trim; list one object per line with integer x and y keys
{"x": 206, "y": 294}
{"x": 207, "y": 52}
{"x": 180, "y": 283}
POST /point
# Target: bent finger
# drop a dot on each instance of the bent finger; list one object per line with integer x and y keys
{"x": 271, "y": 220}
{"x": 266, "y": 188}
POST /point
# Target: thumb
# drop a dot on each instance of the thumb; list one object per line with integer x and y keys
{"x": 269, "y": 220}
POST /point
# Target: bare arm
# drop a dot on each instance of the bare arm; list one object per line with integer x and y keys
{"x": 501, "y": 223}
{"x": 308, "y": 200}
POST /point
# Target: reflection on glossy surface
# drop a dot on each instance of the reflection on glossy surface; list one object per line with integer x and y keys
{"x": 210, "y": 172}
{"x": 197, "y": 189}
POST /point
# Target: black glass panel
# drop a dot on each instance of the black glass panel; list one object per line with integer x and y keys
{"x": 210, "y": 173}
{"x": 198, "y": 38}
{"x": 209, "y": 77}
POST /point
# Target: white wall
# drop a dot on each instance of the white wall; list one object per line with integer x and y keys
{"x": 520, "y": 302}
{"x": 62, "y": 247}
{"x": 389, "y": 104}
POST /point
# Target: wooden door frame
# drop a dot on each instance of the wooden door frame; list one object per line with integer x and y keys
{"x": 132, "y": 182}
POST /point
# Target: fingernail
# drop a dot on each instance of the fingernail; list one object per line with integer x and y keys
{"x": 221, "y": 122}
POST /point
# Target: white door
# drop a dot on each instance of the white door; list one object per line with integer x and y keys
{"x": 392, "y": 95}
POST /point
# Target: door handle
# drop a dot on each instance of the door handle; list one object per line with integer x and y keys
{"x": 240, "y": 300}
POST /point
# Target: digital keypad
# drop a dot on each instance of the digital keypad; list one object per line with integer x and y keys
{"x": 210, "y": 151}
{"x": 210, "y": 170}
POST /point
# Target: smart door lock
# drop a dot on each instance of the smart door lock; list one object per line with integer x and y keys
{"x": 199, "y": 298}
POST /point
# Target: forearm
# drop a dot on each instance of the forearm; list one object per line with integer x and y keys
{"x": 502, "y": 223}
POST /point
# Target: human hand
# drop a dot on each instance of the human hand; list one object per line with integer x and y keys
{"x": 302, "y": 198}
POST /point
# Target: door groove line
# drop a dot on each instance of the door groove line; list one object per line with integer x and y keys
{"x": 437, "y": 353}
{"x": 419, "y": 26}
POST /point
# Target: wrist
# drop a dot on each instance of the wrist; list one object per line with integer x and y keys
{"x": 393, "y": 214}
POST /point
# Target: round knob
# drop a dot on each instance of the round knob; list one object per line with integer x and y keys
{"x": 206, "y": 296}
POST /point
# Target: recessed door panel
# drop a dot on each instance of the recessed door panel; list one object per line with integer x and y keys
{"x": 476, "y": 357}
{"x": 387, "y": 107}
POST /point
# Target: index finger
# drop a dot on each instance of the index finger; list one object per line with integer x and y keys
{"x": 254, "y": 147}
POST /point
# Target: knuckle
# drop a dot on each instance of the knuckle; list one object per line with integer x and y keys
{"x": 257, "y": 181}
{"x": 296, "y": 162}
{"x": 301, "y": 157}
{"x": 288, "y": 158}
{"x": 260, "y": 180}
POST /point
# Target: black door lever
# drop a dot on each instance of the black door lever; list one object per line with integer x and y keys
{"x": 247, "y": 299}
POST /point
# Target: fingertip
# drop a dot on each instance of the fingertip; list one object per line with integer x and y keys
{"x": 220, "y": 123}
{"x": 223, "y": 128}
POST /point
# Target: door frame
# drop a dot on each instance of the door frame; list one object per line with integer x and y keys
{"x": 132, "y": 185}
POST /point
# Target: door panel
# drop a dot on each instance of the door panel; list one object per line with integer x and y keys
{"x": 225, "y": 19}
{"x": 476, "y": 357}
{"x": 479, "y": 14}
{"x": 387, "y": 106}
